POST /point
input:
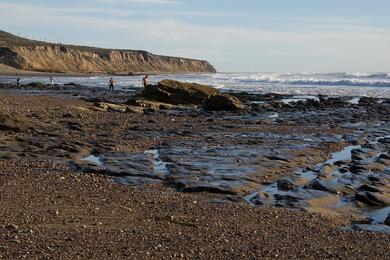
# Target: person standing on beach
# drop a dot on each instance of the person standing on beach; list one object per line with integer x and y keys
{"x": 145, "y": 81}
{"x": 111, "y": 84}
{"x": 18, "y": 82}
{"x": 52, "y": 82}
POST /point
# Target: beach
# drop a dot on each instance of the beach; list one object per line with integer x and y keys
{"x": 86, "y": 173}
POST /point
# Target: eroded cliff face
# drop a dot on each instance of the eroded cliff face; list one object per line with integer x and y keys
{"x": 60, "y": 58}
{"x": 25, "y": 54}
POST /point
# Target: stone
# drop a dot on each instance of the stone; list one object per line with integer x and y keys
{"x": 385, "y": 140}
{"x": 376, "y": 166}
{"x": 372, "y": 198}
{"x": 358, "y": 155}
{"x": 35, "y": 85}
{"x": 170, "y": 92}
{"x": 358, "y": 168}
{"x": 370, "y": 188}
{"x": 387, "y": 220}
{"x": 176, "y": 92}
{"x": 319, "y": 185}
{"x": 223, "y": 102}
{"x": 12, "y": 227}
{"x": 112, "y": 107}
{"x": 285, "y": 185}
{"x": 368, "y": 101}
{"x": 384, "y": 156}
{"x": 327, "y": 169}
{"x": 16, "y": 123}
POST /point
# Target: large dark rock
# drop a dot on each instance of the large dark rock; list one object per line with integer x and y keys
{"x": 184, "y": 93}
{"x": 176, "y": 92}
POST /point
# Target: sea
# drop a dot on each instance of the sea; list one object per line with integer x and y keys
{"x": 331, "y": 84}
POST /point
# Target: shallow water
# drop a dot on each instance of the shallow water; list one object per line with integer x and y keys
{"x": 331, "y": 182}
{"x": 93, "y": 159}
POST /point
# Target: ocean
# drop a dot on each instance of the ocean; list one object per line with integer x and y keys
{"x": 332, "y": 84}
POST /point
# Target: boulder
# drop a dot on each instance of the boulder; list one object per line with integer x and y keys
{"x": 223, "y": 102}
{"x": 184, "y": 93}
{"x": 176, "y": 92}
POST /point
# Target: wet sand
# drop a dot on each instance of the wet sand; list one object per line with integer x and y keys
{"x": 187, "y": 173}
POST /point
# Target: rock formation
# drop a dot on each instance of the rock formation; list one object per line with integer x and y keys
{"x": 25, "y": 54}
{"x": 184, "y": 93}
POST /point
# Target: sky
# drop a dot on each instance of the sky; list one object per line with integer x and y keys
{"x": 234, "y": 35}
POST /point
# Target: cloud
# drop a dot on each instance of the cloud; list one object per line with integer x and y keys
{"x": 230, "y": 48}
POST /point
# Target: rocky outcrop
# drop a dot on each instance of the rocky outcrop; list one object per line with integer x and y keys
{"x": 175, "y": 92}
{"x": 184, "y": 93}
{"x": 30, "y": 55}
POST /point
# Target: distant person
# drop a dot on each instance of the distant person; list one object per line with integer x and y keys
{"x": 111, "y": 84}
{"x": 145, "y": 81}
{"x": 18, "y": 82}
{"x": 52, "y": 82}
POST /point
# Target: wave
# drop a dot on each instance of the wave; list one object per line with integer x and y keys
{"x": 331, "y": 80}
{"x": 368, "y": 75}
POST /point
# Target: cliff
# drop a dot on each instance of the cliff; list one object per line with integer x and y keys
{"x": 25, "y": 54}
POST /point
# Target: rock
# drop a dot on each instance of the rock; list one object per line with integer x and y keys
{"x": 72, "y": 84}
{"x": 372, "y": 198}
{"x": 112, "y": 107}
{"x": 367, "y": 101}
{"x": 176, "y": 92}
{"x": 376, "y": 166}
{"x": 170, "y": 92}
{"x": 35, "y": 85}
{"x": 358, "y": 155}
{"x": 371, "y": 146}
{"x": 385, "y": 162}
{"x": 319, "y": 185}
{"x": 12, "y": 227}
{"x": 223, "y": 102}
{"x": 384, "y": 156}
{"x": 262, "y": 198}
{"x": 16, "y": 123}
{"x": 370, "y": 188}
{"x": 134, "y": 109}
{"x": 285, "y": 185}
{"x": 287, "y": 200}
{"x": 387, "y": 220}
{"x": 358, "y": 168}
{"x": 385, "y": 140}
{"x": 327, "y": 169}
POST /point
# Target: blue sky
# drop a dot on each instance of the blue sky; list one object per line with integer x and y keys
{"x": 234, "y": 35}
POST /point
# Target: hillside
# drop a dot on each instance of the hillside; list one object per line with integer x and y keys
{"x": 25, "y": 54}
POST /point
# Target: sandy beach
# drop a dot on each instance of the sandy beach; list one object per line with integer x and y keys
{"x": 85, "y": 174}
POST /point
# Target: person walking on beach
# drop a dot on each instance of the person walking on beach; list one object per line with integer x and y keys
{"x": 18, "y": 82}
{"x": 111, "y": 84}
{"x": 52, "y": 82}
{"x": 145, "y": 81}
